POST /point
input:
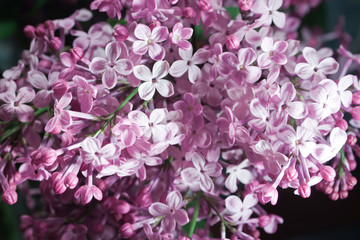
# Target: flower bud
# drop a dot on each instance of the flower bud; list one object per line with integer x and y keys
{"x": 188, "y": 12}
{"x": 351, "y": 140}
{"x": 9, "y": 196}
{"x": 264, "y": 220}
{"x": 154, "y": 24}
{"x": 98, "y": 228}
{"x": 334, "y": 196}
{"x": 245, "y": 5}
{"x": 71, "y": 180}
{"x": 352, "y": 165}
{"x": 46, "y": 64}
{"x": 77, "y": 53}
{"x": 351, "y": 181}
{"x": 205, "y": 5}
{"x": 304, "y": 190}
{"x": 343, "y": 194}
{"x": 122, "y": 207}
{"x": 49, "y": 25}
{"x": 40, "y": 31}
{"x": 328, "y": 189}
{"x": 356, "y": 98}
{"x": 268, "y": 194}
{"x": 120, "y": 33}
{"x": 126, "y": 230}
{"x": 55, "y": 43}
{"x": 356, "y": 113}
{"x": 291, "y": 174}
{"x": 43, "y": 156}
{"x": 232, "y": 42}
{"x": 328, "y": 173}
{"x": 342, "y": 124}
{"x": 60, "y": 87}
{"x": 29, "y": 31}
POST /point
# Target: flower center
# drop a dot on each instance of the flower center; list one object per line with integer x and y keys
{"x": 149, "y": 41}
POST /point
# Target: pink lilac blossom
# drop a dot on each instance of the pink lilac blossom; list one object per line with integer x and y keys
{"x": 241, "y": 113}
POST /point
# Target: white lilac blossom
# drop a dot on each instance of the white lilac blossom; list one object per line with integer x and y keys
{"x": 176, "y": 113}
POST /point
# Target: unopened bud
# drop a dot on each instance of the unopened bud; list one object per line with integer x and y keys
{"x": 264, "y": 220}
{"x": 205, "y": 5}
{"x": 10, "y": 196}
{"x": 245, "y": 5}
{"x": 120, "y": 33}
{"x": 77, "y": 53}
{"x": 29, "y": 31}
{"x": 71, "y": 180}
{"x": 356, "y": 113}
{"x": 356, "y": 98}
{"x": 232, "y": 42}
{"x": 43, "y": 156}
{"x": 291, "y": 174}
{"x": 304, "y": 190}
{"x": 126, "y": 230}
{"x": 154, "y": 24}
{"x": 188, "y": 12}
{"x": 328, "y": 173}
{"x": 351, "y": 140}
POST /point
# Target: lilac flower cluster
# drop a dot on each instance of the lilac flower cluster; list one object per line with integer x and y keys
{"x": 148, "y": 129}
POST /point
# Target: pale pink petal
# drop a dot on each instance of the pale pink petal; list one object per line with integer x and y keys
{"x": 244, "y": 176}
{"x": 66, "y": 59}
{"x": 200, "y": 56}
{"x": 160, "y": 69}
{"x": 253, "y": 74}
{"x": 346, "y": 82}
{"x": 91, "y": 145}
{"x": 123, "y": 66}
{"x": 142, "y": 32}
{"x": 338, "y": 138}
{"x": 186, "y": 33}
{"x": 146, "y": 90}
{"x": 328, "y": 66}
{"x": 267, "y": 44}
{"x": 38, "y": 79}
{"x": 250, "y": 201}
{"x": 230, "y": 183}
{"x": 24, "y": 113}
{"x": 279, "y": 19}
{"x": 194, "y": 73}
{"x": 140, "y": 47}
{"x": 233, "y": 203}
{"x": 264, "y": 60}
{"x": 156, "y": 52}
{"x": 98, "y": 65}
{"x": 178, "y": 68}
{"x": 174, "y": 200}
{"x": 304, "y": 70}
{"x": 186, "y": 54}
{"x": 109, "y": 151}
{"x": 206, "y": 184}
{"x": 288, "y": 92}
{"x": 143, "y": 73}
{"x": 306, "y": 148}
{"x": 158, "y": 115}
{"x": 109, "y": 79}
{"x": 159, "y": 34}
{"x": 311, "y": 56}
{"x": 25, "y": 95}
{"x": 213, "y": 169}
{"x": 159, "y": 209}
{"x": 112, "y": 51}
{"x": 181, "y": 217}
{"x": 297, "y": 110}
{"x": 346, "y": 98}
{"x": 184, "y": 45}
{"x": 246, "y": 56}
{"x": 279, "y": 58}
{"x": 168, "y": 223}
{"x": 7, "y": 112}
{"x": 165, "y": 88}
{"x": 139, "y": 118}
{"x": 190, "y": 175}
{"x": 64, "y": 100}
{"x": 259, "y": 7}
{"x": 287, "y": 134}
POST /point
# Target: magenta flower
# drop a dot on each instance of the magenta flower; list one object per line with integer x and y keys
{"x": 171, "y": 211}
{"x": 92, "y": 152}
{"x": 86, "y": 93}
{"x": 149, "y": 41}
{"x": 189, "y": 107}
{"x": 315, "y": 66}
{"x": 127, "y": 131}
{"x": 180, "y": 35}
{"x": 188, "y": 64}
{"x": 16, "y": 104}
{"x": 268, "y": 10}
{"x": 273, "y": 52}
{"x": 115, "y": 64}
{"x": 201, "y": 172}
{"x": 238, "y": 173}
{"x": 242, "y": 65}
{"x": 152, "y": 126}
{"x": 86, "y": 193}
{"x": 38, "y": 80}
{"x": 62, "y": 118}
{"x": 153, "y": 80}
{"x": 236, "y": 209}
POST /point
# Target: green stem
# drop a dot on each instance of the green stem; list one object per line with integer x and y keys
{"x": 112, "y": 115}
{"x": 195, "y": 216}
{"x": 20, "y": 126}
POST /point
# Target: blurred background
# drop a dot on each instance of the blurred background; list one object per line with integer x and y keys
{"x": 316, "y": 218}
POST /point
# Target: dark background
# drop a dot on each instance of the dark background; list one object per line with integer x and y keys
{"x": 316, "y": 218}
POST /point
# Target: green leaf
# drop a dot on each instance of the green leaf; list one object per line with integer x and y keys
{"x": 7, "y": 28}
{"x": 233, "y": 11}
